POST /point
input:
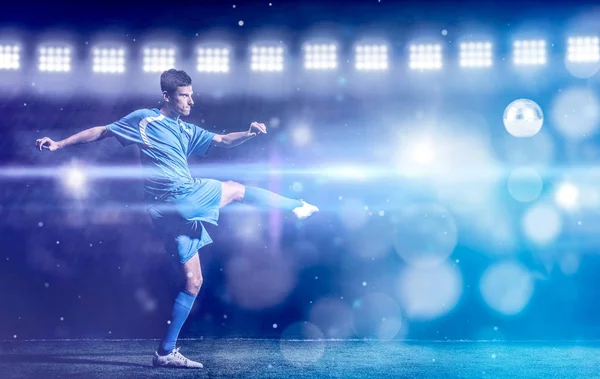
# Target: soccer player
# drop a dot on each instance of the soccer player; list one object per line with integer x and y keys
{"x": 178, "y": 204}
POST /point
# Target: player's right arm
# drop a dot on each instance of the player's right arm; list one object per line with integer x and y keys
{"x": 86, "y": 136}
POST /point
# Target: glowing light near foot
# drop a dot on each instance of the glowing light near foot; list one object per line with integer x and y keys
{"x": 301, "y": 135}
{"x": 352, "y": 214}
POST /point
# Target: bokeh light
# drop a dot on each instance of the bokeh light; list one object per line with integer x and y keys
{"x": 333, "y": 317}
{"x": 427, "y": 293}
{"x": 507, "y": 287}
{"x": 567, "y": 195}
{"x": 537, "y": 151}
{"x": 525, "y": 184}
{"x": 298, "y": 345}
{"x": 576, "y": 113}
{"x": 352, "y": 213}
{"x": 257, "y": 281}
{"x": 376, "y": 316}
{"x": 301, "y": 135}
{"x": 75, "y": 180}
{"x": 424, "y": 234}
{"x": 541, "y": 223}
{"x": 569, "y": 263}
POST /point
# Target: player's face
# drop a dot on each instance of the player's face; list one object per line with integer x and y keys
{"x": 181, "y": 100}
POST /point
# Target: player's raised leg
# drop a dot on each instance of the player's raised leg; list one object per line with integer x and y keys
{"x": 233, "y": 191}
{"x": 168, "y": 355}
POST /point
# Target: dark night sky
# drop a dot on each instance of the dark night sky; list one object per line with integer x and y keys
{"x": 198, "y": 15}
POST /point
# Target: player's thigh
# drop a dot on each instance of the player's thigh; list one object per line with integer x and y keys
{"x": 181, "y": 238}
{"x": 230, "y": 192}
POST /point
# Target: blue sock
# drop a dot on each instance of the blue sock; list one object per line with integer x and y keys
{"x": 181, "y": 310}
{"x": 263, "y": 198}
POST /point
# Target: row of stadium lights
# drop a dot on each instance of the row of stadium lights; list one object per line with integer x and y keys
{"x": 316, "y": 56}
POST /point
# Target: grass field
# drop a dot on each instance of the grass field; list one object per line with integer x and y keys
{"x": 248, "y": 358}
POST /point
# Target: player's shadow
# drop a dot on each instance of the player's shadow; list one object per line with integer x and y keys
{"x": 63, "y": 359}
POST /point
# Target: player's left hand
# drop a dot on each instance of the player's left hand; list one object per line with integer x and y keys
{"x": 256, "y": 128}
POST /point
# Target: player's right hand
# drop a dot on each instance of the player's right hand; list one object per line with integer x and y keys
{"x": 46, "y": 143}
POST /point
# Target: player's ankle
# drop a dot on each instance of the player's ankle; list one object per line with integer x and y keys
{"x": 163, "y": 352}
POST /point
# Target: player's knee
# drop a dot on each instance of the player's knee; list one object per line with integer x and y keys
{"x": 236, "y": 190}
{"x": 240, "y": 190}
{"x": 194, "y": 285}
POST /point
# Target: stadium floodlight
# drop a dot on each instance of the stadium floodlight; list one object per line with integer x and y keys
{"x": 10, "y": 57}
{"x": 476, "y": 54}
{"x": 55, "y": 58}
{"x": 108, "y": 60}
{"x": 371, "y": 57}
{"x": 583, "y": 49}
{"x": 320, "y": 56}
{"x": 425, "y": 57}
{"x": 266, "y": 58}
{"x": 158, "y": 59}
{"x": 213, "y": 59}
{"x": 529, "y": 52}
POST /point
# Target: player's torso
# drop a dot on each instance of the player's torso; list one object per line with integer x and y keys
{"x": 162, "y": 134}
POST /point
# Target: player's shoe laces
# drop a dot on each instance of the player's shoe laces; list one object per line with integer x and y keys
{"x": 305, "y": 210}
{"x": 174, "y": 359}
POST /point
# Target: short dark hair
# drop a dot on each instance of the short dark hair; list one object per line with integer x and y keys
{"x": 171, "y": 79}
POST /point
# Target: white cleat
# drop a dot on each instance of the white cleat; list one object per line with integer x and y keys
{"x": 174, "y": 360}
{"x": 305, "y": 210}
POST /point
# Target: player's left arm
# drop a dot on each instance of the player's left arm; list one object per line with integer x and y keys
{"x": 238, "y": 138}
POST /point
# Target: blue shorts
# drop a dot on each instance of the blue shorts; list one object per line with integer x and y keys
{"x": 179, "y": 223}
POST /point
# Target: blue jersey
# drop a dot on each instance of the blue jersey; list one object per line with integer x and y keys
{"x": 165, "y": 144}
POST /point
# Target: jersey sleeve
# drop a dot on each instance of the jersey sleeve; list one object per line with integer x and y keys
{"x": 127, "y": 129}
{"x": 201, "y": 141}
